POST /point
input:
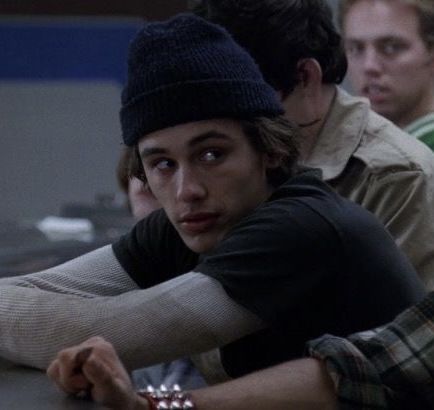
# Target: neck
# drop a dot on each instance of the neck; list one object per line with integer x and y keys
{"x": 313, "y": 122}
{"x": 408, "y": 117}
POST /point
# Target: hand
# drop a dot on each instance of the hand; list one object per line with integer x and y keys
{"x": 101, "y": 373}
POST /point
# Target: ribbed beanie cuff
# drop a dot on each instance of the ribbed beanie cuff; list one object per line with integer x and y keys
{"x": 187, "y": 69}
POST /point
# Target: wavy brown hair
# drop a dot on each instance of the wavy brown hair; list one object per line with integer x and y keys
{"x": 277, "y": 137}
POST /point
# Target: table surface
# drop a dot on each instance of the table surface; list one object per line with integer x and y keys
{"x": 23, "y": 250}
{"x": 28, "y": 389}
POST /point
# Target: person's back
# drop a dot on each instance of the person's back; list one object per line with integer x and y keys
{"x": 377, "y": 165}
{"x": 390, "y": 49}
{"x": 363, "y": 156}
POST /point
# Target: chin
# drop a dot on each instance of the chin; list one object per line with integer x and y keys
{"x": 201, "y": 244}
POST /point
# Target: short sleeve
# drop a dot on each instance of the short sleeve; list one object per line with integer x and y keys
{"x": 273, "y": 260}
{"x": 153, "y": 252}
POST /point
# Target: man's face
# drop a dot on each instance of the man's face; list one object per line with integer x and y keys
{"x": 388, "y": 61}
{"x": 206, "y": 176}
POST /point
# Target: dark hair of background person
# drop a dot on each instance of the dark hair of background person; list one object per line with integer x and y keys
{"x": 279, "y": 33}
{"x": 424, "y": 11}
{"x": 276, "y": 137}
{"x": 123, "y": 169}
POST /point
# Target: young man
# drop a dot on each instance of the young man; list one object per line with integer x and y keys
{"x": 390, "y": 50}
{"x": 361, "y": 155}
{"x": 247, "y": 254}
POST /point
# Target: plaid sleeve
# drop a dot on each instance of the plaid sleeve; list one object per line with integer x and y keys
{"x": 358, "y": 384}
{"x": 389, "y": 367}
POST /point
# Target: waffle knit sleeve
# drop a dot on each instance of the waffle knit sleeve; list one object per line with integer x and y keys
{"x": 92, "y": 295}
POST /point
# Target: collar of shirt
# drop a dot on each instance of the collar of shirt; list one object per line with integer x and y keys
{"x": 340, "y": 135}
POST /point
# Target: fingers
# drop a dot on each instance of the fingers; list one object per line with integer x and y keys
{"x": 62, "y": 371}
{"x": 111, "y": 384}
{"x": 107, "y": 389}
{"x": 66, "y": 368}
{"x": 94, "y": 365}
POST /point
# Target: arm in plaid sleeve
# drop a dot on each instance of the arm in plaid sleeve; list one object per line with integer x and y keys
{"x": 357, "y": 382}
{"x": 389, "y": 367}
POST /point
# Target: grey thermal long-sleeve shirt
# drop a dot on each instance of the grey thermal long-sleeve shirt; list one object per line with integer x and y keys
{"x": 44, "y": 312}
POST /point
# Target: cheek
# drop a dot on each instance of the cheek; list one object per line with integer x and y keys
{"x": 355, "y": 73}
{"x": 411, "y": 80}
{"x": 159, "y": 189}
{"x": 410, "y": 63}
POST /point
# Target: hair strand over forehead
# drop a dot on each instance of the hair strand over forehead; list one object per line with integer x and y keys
{"x": 276, "y": 137}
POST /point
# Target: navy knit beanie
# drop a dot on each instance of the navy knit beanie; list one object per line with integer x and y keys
{"x": 187, "y": 69}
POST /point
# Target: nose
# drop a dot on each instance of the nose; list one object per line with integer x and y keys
{"x": 189, "y": 186}
{"x": 371, "y": 61}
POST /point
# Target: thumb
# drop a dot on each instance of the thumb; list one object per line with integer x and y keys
{"x": 109, "y": 389}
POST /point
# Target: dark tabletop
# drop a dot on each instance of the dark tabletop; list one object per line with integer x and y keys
{"x": 23, "y": 249}
{"x": 28, "y": 389}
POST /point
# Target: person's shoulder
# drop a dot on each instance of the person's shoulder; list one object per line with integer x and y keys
{"x": 298, "y": 210}
{"x": 384, "y": 147}
{"x": 422, "y": 128}
{"x": 301, "y": 195}
{"x": 305, "y": 183}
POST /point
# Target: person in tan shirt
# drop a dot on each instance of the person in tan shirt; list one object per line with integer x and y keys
{"x": 361, "y": 154}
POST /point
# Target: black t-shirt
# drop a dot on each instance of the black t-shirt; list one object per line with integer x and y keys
{"x": 307, "y": 262}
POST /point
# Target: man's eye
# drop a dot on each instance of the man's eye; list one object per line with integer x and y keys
{"x": 391, "y": 48}
{"x": 354, "y": 49}
{"x": 163, "y": 164}
{"x": 210, "y": 155}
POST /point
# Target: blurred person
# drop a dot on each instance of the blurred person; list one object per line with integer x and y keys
{"x": 140, "y": 199}
{"x": 250, "y": 253}
{"x": 390, "y": 367}
{"x": 361, "y": 155}
{"x": 390, "y": 50}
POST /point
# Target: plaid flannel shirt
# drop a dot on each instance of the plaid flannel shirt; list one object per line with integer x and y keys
{"x": 391, "y": 367}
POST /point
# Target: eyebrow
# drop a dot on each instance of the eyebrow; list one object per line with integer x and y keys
{"x": 198, "y": 139}
{"x": 207, "y": 135}
{"x": 392, "y": 37}
{"x": 383, "y": 38}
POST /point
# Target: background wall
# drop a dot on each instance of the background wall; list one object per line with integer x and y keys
{"x": 59, "y": 102}
{"x": 62, "y": 67}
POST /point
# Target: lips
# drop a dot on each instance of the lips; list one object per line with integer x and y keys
{"x": 200, "y": 222}
{"x": 375, "y": 92}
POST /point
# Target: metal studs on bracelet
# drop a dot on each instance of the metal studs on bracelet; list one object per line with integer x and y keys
{"x": 167, "y": 399}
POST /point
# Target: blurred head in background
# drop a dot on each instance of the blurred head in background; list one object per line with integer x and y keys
{"x": 390, "y": 50}
{"x": 141, "y": 201}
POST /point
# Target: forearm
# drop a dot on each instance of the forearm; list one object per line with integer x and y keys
{"x": 42, "y": 311}
{"x": 303, "y": 384}
{"x": 97, "y": 273}
{"x": 188, "y": 314}
{"x": 358, "y": 382}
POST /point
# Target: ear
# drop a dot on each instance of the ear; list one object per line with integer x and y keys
{"x": 309, "y": 74}
{"x": 272, "y": 161}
